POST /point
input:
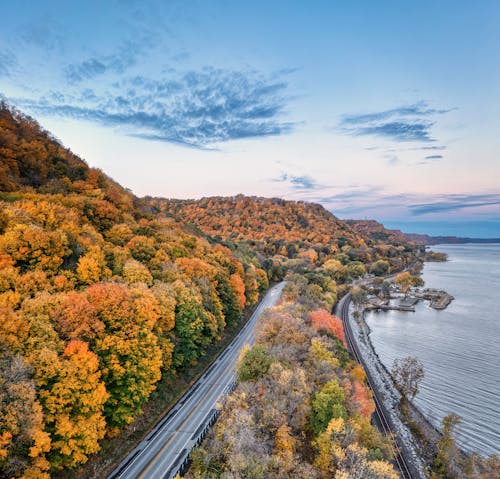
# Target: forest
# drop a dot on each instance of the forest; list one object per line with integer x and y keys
{"x": 98, "y": 301}
{"x": 302, "y": 408}
{"x": 102, "y": 294}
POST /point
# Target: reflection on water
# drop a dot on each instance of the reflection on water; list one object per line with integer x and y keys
{"x": 458, "y": 346}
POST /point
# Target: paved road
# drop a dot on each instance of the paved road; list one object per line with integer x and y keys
{"x": 166, "y": 448}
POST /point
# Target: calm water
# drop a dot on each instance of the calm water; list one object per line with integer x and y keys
{"x": 459, "y": 346}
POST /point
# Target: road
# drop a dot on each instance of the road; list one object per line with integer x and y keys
{"x": 406, "y": 469}
{"x": 165, "y": 450}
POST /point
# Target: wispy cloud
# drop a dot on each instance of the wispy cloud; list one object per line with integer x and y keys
{"x": 45, "y": 33}
{"x": 362, "y": 201}
{"x": 118, "y": 62}
{"x": 416, "y": 110}
{"x": 398, "y": 130}
{"x": 7, "y": 62}
{"x": 300, "y": 182}
{"x": 434, "y": 147}
{"x": 454, "y": 203}
{"x": 410, "y": 123}
{"x": 434, "y": 157}
{"x": 198, "y": 108}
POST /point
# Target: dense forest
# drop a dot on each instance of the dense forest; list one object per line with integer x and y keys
{"x": 103, "y": 294}
{"x": 287, "y": 231}
{"x": 302, "y": 408}
{"x": 98, "y": 300}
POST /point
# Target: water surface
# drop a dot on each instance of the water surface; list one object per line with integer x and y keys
{"x": 459, "y": 346}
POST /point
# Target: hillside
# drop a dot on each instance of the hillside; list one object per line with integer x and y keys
{"x": 98, "y": 302}
{"x": 378, "y": 232}
{"x": 264, "y": 221}
{"x": 284, "y": 230}
{"x": 104, "y": 296}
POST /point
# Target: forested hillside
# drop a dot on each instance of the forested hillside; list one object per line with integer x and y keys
{"x": 302, "y": 408}
{"x": 287, "y": 232}
{"x": 103, "y": 294}
{"x": 98, "y": 301}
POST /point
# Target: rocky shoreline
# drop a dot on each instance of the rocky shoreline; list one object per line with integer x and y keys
{"x": 385, "y": 386}
{"x": 438, "y": 299}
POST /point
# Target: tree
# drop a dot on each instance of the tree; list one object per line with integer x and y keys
{"x": 189, "y": 325}
{"x": 447, "y": 450}
{"x": 327, "y": 404}
{"x": 284, "y": 447}
{"x": 356, "y": 269}
{"x": 229, "y": 298}
{"x": 92, "y": 267}
{"x": 358, "y": 296}
{"x": 128, "y": 350}
{"x": 406, "y": 280}
{"x": 135, "y": 272}
{"x": 322, "y": 320}
{"x": 380, "y": 267}
{"x": 254, "y": 363}
{"x": 23, "y": 441}
{"x": 407, "y": 374}
{"x": 73, "y": 397}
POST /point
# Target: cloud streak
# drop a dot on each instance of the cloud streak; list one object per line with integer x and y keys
{"x": 198, "y": 108}
{"x": 117, "y": 62}
{"x": 410, "y": 123}
{"x": 8, "y": 61}
{"x": 452, "y": 203}
{"x": 300, "y": 182}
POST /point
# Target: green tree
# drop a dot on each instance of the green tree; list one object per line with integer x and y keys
{"x": 380, "y": 267}
{"x": 447, "y": 451}
{"x": 254, "y": 363}
{"x": 229, "y": 299}
{"x": 328, "y": 403}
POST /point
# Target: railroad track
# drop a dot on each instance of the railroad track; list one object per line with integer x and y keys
{"x": 399, "y": 456}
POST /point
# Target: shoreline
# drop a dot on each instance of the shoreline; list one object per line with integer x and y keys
{"x": 383, "y": 375}
{"x": 386, "y": 389}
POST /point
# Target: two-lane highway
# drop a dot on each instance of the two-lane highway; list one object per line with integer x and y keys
{"x": 165, "y": 450}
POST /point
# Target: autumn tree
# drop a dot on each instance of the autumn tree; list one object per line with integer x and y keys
{"x": 321, "y": 320}
{"x": 407, "y": 374}
{"x": 327, "y": 404}
{"x": 406, "y": 280}
{"x": 23, "y": 440}
{"x": 447, "y": 458}
{"x": 73, "y": 397}
{"x": 254, "y": 363}
{"x": 128, "y": 349}
{"x": 92, "y": 268}
{"x": 380, "y": 267}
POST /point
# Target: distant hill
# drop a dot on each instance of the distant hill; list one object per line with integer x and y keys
{"x": 377, "y": 231}
{"x": 282, "y": 229}
{"x": 263, "y": 220}
{"x": 433, "y": 240}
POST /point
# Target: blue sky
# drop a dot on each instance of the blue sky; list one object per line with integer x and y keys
{"x": 384, "y": 110}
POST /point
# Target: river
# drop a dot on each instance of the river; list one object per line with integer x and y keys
{"x": 459, "y": 346}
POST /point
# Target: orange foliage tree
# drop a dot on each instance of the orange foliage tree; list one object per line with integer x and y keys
{"x": 322, "y": 320}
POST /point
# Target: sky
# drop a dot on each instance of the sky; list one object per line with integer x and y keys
{"x": 387, "y": 110}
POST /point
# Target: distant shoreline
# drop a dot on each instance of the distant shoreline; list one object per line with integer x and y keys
{"x": 437, "y": 240}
